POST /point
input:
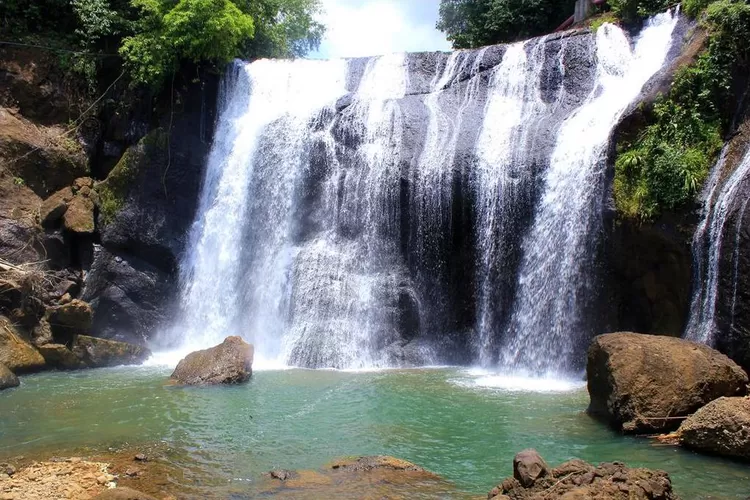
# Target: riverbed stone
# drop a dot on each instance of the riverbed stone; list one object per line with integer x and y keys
{"x": 577, "y": 479}
{"x": 646, "y": 384}
{"x": 7, "y": 378}
{"x": 722, "y": 427}
{"x": 227, "y": 363}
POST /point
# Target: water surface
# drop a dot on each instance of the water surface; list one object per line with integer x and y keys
{"x": 454, "y": 422}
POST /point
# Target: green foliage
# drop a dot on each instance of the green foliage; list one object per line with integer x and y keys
{"x": 630, "y": 11}
{"x": 598, "y": 21}
{"x": 155, "y": 37}
{"x": 665, "y": 165}
{"x": 473, "y": 23}
{"x": 191, "y": 30}
{"x": 694, "y": 7}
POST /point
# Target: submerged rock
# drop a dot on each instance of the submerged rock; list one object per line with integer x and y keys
{"x": 645, "y": 383}
{"x": 7, "y": 378}
{"x": 228, "y": 363}
{"x": 123, "y": 494}
{"x": 722, "y": 427}
{"x": 358, "y": 477}
{"x": 578, "y": 479}
{"x": 100, "y": 353}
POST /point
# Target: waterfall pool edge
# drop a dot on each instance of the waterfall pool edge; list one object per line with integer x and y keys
{"x": 444, "y": 419}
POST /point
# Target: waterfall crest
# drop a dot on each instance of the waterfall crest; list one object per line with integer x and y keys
{"x": 412, "y": 208}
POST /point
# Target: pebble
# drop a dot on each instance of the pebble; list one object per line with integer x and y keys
{"x": 141, "y": 458}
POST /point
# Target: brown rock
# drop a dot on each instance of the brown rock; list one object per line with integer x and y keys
{"x": 82, "y": 183}
{"x": 228, "y": 363}
{"x": 99, "y": 353}
{"x": 79, "y": 217}
{"x": 59, "y": 356}
{"x": 528, "y": 466}
{"x": 640, "y": 383}
{"x": 722, "y": 427}
{"x": 69, "y": 320}
{"x": 15, "y": 352}
{"x": 121, "y": 493}
{"x": 578, "y": 480}
{"x": 54, "y": 207}
{"x": 7, "y": 379}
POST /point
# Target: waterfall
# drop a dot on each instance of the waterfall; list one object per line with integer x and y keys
{"x": 402, "y": 209}
{"x": 708, "y": 243}
{"x": 557, "y": 275}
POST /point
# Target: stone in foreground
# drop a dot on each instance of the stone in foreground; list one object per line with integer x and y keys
{"x": 722, "y": 427}
{"x": 577, "y": 479}
{"x": 228, "y": 363}
{"x": 645, "y": 383}
{"x": 122, "y": 493}
{"x": 7, "y": 378}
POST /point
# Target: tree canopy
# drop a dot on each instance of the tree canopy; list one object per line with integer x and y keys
{"x": 474, "y": 23}
{"x": 155, "y": 36}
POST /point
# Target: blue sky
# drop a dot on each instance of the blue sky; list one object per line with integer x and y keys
{"x": 372, "y": 27}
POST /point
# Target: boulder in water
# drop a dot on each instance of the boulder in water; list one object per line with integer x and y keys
{"x": 228, "y": 363}
{"x": 578, "y": 479}
{"x": 722, "y": 427}
{"x": 59, "y": 356}
{"x": 645, "y": 383}
{"x": 100, "y": 353}
{"x": 7, "y": 378}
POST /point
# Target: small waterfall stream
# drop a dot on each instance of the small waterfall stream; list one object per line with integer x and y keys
{"x": 406, "y": 208}
{"x": 708, "y": 243}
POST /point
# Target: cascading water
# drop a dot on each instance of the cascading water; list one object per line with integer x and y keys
{"x": 557, "y": 275}
{"x": 708, "y": 243}
{"x": 371, "y": 212}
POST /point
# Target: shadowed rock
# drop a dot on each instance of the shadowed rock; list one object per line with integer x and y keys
{"x": 7, "y": 378}
{"x": 228, "y": 363}
{"x": 722, "y": 427}
{"x": 646, "y": 383}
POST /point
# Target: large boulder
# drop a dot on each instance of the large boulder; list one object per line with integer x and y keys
{"x": 7, "y": 378}
{"x": 577, "y": 479}
{"x": 228, "y": 363}
{"x": 129, "y": 296}
{"x": 15, "y": 352}
{"x": 722, "y": 427}
{"x": 99, "y": 353}
{"x": 59, "y": 356}
{"x": 645, "y": 383}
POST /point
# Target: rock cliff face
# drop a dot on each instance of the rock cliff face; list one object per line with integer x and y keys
{"x": 104, "y": 203}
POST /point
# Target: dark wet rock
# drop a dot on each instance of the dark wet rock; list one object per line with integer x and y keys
{"x": 98, "y": 353}
{"x": 59, "y": 356}
{"x": 122, "y": 493}
{"x": 644, "y": 383}
{"x": 722, "y": 427}
{"x": 130, "y": 297}
{"x": 7, "y": 379}
{"x": 577, "y": 479}
{"x": 228, "y": 363}
{"x": 283, "y": 474}
{"x": 528, "y": 467}
{"x": 15, "y": 351}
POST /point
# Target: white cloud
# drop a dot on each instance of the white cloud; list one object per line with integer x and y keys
{"x": 375, "y": 27}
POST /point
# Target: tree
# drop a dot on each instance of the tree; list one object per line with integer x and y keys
{"x": 474, "y": 23}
